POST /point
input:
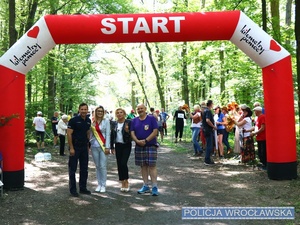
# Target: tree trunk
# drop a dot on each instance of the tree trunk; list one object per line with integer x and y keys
{"x": 29, "y": 24}
{"x": 275, "y": 20}
{"x": 133, "y": 99}
{"x": 51, "y": 84}
{"x": 297, "y": 34}
{"x": 264, "y": 15}
{"x": 132, "y": 69}
{"x": 185, "y": 84}
{"x": 13, "y": 35}
{"x": 159, "y": 83}
{"x": 288, "y": 20}
{"x": 222, "y": 77}
{"x": 161, "y": 74}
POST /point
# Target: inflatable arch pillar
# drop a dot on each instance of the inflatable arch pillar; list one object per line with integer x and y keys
{"x": 235, "y": 26}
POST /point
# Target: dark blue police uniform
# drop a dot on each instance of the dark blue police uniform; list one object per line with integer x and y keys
{"x": 80, "y": 143}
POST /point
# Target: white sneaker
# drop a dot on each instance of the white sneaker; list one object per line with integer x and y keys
{"x": 98, "y": 189}
{"x": 127, "y": 189}
{"x": 102, "y": 189}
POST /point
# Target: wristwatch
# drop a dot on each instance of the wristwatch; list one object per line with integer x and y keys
{"x": 146, "y": 141}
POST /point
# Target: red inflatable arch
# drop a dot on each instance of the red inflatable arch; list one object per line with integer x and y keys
{"x": 235, "y": 26}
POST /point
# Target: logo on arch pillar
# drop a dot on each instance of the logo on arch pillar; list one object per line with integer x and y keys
{"x": 34, "y": 32}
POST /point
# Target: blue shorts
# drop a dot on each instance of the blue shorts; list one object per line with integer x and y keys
{"x": 145, "y": 156}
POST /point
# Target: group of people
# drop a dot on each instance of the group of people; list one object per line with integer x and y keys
{"x": 104, "y": 137}
{"x": 212, "y": 125}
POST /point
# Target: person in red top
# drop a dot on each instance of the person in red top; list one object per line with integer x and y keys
{"x": 260, "y": 133}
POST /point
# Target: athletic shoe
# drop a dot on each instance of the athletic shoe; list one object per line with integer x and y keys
{"x": 98, "y": 188}
{"x": 154, "y": 191}
{"x": 126, "y": 189}
{"x": 209, "y": 163}
{"x": 102, "y": 189}
{"x": 144, "y": 189}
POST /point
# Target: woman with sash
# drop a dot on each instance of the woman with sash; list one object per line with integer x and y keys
{"x": 121, "y": 142}
{"x": 100, "y": 146}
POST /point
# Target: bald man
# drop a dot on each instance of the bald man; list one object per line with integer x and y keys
{"x": 144, "y": 130}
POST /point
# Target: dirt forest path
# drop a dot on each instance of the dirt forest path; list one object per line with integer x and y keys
{"x": 184, "y": 181}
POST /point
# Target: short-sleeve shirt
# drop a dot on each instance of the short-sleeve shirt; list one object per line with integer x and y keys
{"x": 54, "y": 123}
{"x": 261, "y": 120}
{"x": 207, "y": 115}
{"x": 39, "y": 123}
{"x": 80, "y": 128}
{"x": 179, "y": 116}
{"x": 220, "y": 119}
{"x": 143, "y": 128}
{"x": 164, "y": 116}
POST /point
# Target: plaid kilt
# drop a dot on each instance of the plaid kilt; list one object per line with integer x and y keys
{"x": 145, "y": 156}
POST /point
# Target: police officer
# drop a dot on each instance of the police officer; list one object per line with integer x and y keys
{"x": 78, "y": 140}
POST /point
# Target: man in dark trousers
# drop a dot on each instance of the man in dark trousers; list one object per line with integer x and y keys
{"x": 179, "y": 117}
{"x": 208, "y": 127}
{"x": 78, "y": 140}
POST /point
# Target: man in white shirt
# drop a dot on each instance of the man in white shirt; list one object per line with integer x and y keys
{"x": 39, "y": 124}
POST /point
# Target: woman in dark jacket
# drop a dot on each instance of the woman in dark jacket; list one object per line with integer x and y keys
{"x": 121, "y": 143}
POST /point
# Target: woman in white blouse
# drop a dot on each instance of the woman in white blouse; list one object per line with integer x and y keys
{"x": 62, "y": 127}
{"x": 100, "y": 146}
{"x": 245, "y": 124}
{"x": 121, "y": 142}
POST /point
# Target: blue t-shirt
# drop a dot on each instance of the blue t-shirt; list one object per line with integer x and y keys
{"x": 164, "y": 116}
{"x": 220, "y": 119}
{"x": 143, "y": 128}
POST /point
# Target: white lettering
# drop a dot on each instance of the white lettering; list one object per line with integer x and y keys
{"x": 125, "y": 22}
{"x": 160, "y": 22}
{"x": 141, "y": 25}
{"x": 108, "y": 22}
{"x": 177, "y": 20}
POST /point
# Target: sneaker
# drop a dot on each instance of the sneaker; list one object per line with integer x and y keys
{"x": 75, "y": 194}
{"x": 126, "y": 189}
{"x": 102, "y": 189}
{"x": 144, "y": 189}
{"x": 154, "y": 191}
{"x": 209, "y": 163}
{"x": 98, "y": 188}
{"x": 85, "y": 192}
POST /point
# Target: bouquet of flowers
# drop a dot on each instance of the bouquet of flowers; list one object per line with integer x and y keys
{"x": 232, "y": 111}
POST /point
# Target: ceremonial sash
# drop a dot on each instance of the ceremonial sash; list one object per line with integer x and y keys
{"x": 98, "y": 135}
